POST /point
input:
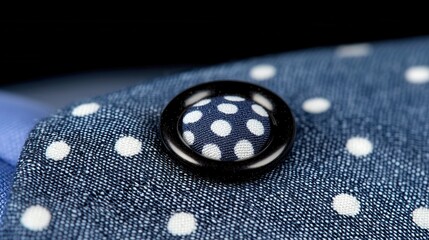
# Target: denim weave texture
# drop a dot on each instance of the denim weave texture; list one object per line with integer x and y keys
{"x": 6, "y": 176}
{"x": 358, "y": 170}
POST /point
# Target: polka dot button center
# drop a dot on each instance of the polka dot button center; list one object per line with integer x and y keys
{"x": 226, "y": 128}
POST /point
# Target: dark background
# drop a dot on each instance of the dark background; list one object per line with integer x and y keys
{"x": 34, "y": 51}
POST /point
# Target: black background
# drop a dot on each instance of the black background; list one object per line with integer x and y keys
{"x": 39, "y": 50}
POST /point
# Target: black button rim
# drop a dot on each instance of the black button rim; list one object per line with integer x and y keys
{"x": 283, "y": 130}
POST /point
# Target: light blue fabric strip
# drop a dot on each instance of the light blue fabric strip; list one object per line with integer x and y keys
{"x": 17, "y": 117}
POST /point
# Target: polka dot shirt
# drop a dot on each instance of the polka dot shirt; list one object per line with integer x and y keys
{"x": 358, "y": 169}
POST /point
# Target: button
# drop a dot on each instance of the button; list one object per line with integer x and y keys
{"x": 228, "y": 129}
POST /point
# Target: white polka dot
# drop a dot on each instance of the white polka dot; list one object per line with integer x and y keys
{"x": 128, "y": 146}
{"x": 346, "y": 204}
{"x": 244, "y": 149}
{"x": 234, "y": 98}
{"x": 85, "y": 109}
{"x": 192, "y": 117}
{"x": 255, "y": 127}
{"x": 358, "y": 146}
{"x": 57, "y": 150}
{"x": 417, "y": 74}
{"x": 316, "y": 105}
{"x": 259, "y": 110}
{"x": 212, "y": 151}
{"x": 355, "y": 50}
{"x": 36, "y": 218}
{"x": 221, "y": 128}
{"x": 262, "y": 72}
{"x": 421, "y": 217}
{"x": 181, "y": 224}
{"x": 189, "y": 137}
{"x": 202, "y": 103}
{"x": 227, "y": 108}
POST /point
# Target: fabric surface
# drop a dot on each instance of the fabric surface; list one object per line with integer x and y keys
{"x": 18, "y": 116}
{"x": 6, "y": 176}
{"x": 358, "y": 169}
{"x": 227, "y": 128}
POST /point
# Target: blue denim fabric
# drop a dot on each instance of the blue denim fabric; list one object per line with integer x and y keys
{"x": 6, "y": 176}
{"x": 112, "y": 179}
{"x": 17, "y": 117}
